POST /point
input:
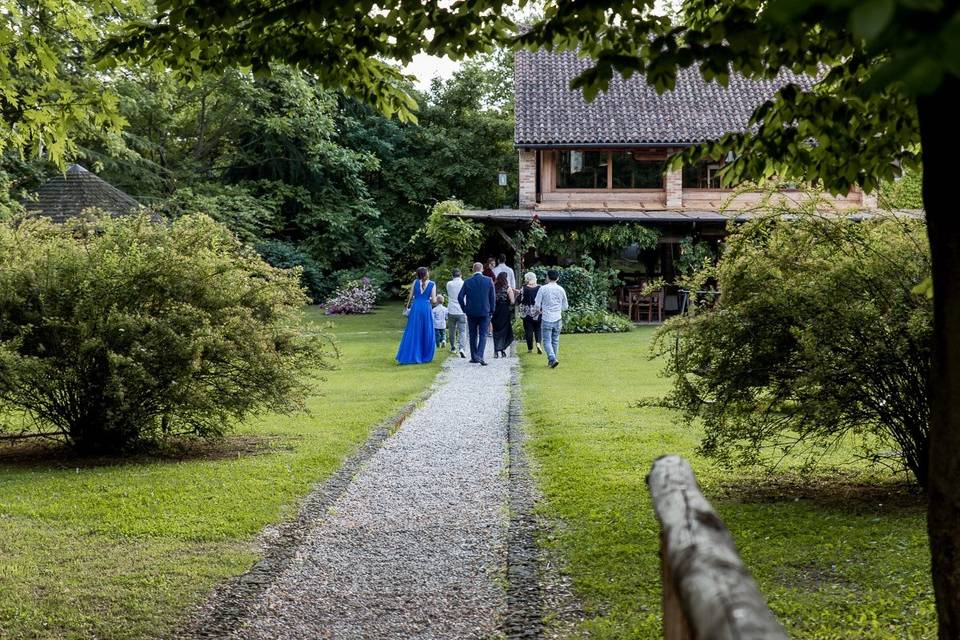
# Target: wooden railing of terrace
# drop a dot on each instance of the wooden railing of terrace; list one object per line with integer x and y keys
{"x": 707, "y": 592}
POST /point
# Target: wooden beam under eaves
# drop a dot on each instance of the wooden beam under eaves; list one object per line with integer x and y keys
{"x": 506, "y": 237}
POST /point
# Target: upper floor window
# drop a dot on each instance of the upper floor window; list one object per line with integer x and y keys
{"x": 582, "y": 169}
{"x": 635, "y": 170}
{"x": 703, "y": 175}
{"x": 639, "y": 169}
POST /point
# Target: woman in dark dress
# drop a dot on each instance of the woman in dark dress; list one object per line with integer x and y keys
{"x": 502, "y": 316}
{"x": 488, "y": 271}
{"x": 528, "y": 309}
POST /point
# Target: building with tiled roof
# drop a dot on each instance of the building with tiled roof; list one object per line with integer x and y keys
{"x": 605, "y": 162}
{"x": 610, "y": 154}
{"x": 630, "y": 112}
{"x": 69, "y": 195}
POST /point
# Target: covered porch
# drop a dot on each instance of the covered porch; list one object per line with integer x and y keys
{"x": 637, "y": 267}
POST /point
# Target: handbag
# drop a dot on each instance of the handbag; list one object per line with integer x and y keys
{"x": 406, "y": 311}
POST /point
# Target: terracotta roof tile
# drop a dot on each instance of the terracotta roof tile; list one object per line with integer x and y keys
{"x": 631, "y": 111}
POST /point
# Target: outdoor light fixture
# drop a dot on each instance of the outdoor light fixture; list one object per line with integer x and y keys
{"x": 502, "y": 178}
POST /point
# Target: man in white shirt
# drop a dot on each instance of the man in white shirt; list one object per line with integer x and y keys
{"x": 458, "y": 319}
{"x": 551, "y": 302}
{"x": 503, "y": 268}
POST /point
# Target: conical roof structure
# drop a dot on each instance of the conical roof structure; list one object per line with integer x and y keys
{"x": 68, "y": 195}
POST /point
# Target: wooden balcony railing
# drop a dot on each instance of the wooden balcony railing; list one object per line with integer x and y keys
{"x": 707, "y": 592}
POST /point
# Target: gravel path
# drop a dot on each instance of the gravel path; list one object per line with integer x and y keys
{"x": 415, "y": 546}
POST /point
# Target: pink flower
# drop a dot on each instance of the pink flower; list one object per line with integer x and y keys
{"x": 354, "y": 298}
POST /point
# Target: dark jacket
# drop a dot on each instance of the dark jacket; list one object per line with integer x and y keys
{"x": 477, "y": 297}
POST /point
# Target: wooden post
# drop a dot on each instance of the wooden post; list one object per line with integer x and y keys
{"x": 518, "y": 260}
{"x": 675, "y": 625}
{"x": 517, "y": 269}
{"x": 707, "y": 592}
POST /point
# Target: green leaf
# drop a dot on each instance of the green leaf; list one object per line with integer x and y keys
{"x": 870, "y": 18}
{"x": 925, "y": 288}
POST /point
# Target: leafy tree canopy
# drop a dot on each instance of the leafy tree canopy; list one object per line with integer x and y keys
{"x": 869, "y": 59}
{"x": 856, "y": 125}
{"x": 345, "y": 45}
{"x": 50, "y": 92}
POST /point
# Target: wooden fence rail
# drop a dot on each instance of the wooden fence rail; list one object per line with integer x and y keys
{"x": 707, "y": 592}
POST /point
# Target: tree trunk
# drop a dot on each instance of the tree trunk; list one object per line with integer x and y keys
{"x": 939, "y": 133}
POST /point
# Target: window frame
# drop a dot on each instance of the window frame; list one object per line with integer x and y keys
{"x": 556, "y": 171}
{"x": 710, "y": 163}
{"x": 555, "y": 162}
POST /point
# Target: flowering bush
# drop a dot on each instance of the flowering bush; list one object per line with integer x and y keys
{"x": 359, "y": 296}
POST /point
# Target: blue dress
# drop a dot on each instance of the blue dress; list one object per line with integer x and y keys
{"x": 417, "y": 344}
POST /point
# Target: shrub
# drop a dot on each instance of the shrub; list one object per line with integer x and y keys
{"x": 358, "y": 296}
{"x": 118, "y": 331}
{"x": 595, "y": 321}
{"x": 377, "y": 278}
{"x": 456, "y": 240}
{"x": 285, "y": 255}
{"x": 586, "y": 286}
{"x": 817, "y": 335}
{"x": 904, "y": 193}
{"x": 585, "y": 320}
{"x": 694, "y": 255}
{"x": 238, "y": 206}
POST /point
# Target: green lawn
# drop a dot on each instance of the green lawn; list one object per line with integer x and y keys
{"x": 121, "y": 551}
{"x": 839, "y": 555}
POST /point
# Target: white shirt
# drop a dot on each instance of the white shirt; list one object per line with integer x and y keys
{"x": 511, "y": 279}
{"x": 453, "y": 290}
{"x": 439, "y": 317}
{"x": 551, "y": 301}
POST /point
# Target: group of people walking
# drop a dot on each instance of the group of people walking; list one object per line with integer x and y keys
{"x": 479, "y": 307}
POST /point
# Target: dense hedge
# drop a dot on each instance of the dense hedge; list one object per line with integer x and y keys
{"x": 286, "y": 255}
{"x": 586, "y": 321}
{"x": 595, "y": 321}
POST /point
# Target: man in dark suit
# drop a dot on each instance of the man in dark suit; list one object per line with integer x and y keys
{"x": 477, "y": 299}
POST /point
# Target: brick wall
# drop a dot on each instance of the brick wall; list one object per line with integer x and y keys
{"x": 868, "y": 200}
{"x": 674, "y": 188}
{"x": 528, "y": 179}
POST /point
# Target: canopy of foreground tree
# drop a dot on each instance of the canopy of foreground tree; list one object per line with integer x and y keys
{"x": 889, "y": 74}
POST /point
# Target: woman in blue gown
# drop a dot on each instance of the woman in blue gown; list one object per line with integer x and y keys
{"x": 417, "y": 344}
